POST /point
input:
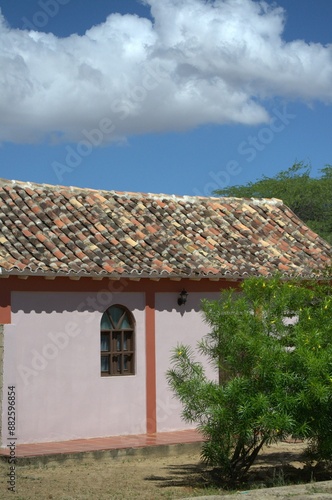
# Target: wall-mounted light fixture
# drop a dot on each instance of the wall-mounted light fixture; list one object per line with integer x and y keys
{"x": 182, "y": 299}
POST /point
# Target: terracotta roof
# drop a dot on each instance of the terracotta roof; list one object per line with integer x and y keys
{"x": 73, "y": 231}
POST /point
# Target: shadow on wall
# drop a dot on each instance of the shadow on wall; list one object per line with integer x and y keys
{"x": 49, "y": 302}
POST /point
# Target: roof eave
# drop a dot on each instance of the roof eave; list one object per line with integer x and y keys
{"x": 227, "y": 275}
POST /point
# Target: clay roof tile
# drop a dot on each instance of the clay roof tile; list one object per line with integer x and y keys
{"x": 74, "y": 230}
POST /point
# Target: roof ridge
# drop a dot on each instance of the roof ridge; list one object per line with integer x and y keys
{"x": 139, "y": 194}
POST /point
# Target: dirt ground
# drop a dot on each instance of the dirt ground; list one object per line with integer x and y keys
{"x": 149, "y": 478}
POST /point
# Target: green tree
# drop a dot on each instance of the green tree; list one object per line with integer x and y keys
{"x": 272, "y": 346}
{"x": 310, "y": 198}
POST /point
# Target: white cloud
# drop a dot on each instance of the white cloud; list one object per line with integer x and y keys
{"x": 198, "y": 62}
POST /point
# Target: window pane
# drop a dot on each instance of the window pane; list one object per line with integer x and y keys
{"x": 116, "y": 336}
{"x": 105, "y": 364}
{"x": 116, "y": 313}
{"x": 105, "y": 342}
{"x": 127, "y": 341}
{"x": 116, "y": 361}
{"x": 105, "y": 322}
{"x": 125, "y": 322}
{"x": 127, "y": 363}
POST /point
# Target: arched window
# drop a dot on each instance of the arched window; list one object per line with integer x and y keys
{"x": 117, "y": 342}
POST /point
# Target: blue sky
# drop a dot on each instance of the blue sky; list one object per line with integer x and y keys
{"x": 165, "y": 96}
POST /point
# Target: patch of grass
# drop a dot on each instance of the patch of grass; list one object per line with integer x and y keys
{"x": 151, "y": 478}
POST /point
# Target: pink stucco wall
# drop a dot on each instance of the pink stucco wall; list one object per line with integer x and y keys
{"x": 52, "y": 355}
{"x": 176, "y": 324}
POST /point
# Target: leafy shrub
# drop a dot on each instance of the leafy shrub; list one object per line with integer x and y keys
{"x": 271, "y": 347}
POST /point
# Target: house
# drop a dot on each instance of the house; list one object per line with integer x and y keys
{"x": 90, "y": 306}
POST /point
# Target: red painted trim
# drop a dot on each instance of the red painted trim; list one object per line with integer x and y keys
{"x": 150, "y": 346}
{"x": 5, "y": 306}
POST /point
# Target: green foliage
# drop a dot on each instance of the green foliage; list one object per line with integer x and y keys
{"x": 271, "y": 347}
{"x": 310, "y": 198}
